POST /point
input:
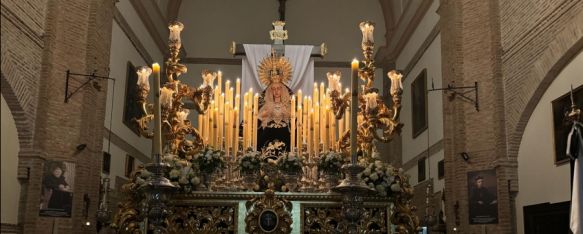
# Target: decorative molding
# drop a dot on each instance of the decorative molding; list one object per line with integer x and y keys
{"x": 125, "y": 146}
{"x": 410, "y": 28}
{"x": 149, "y": 24}
{"x": 438, "y": 146}
{"x": 422, "y": 49}
{"x": 125, "y": 27}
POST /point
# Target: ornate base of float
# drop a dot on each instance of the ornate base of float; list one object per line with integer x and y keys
{"x": 233, "y": 212}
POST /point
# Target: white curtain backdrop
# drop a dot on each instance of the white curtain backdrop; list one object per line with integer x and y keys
{"x": 298, "y": 56}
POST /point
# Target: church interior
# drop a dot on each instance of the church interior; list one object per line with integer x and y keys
{"x": 291, "y": 116}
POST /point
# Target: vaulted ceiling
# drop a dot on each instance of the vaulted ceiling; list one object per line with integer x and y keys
{"x": 210, "y": 26}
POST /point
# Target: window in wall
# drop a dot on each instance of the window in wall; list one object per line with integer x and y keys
{"x": 131, "y": 109}
{"x": 440, "y": 169}
{"x": 106, "y": 163}
{"x": 421, "y": 170}
{"x": 419, "y": 103}
{"x": 129, "y": 165}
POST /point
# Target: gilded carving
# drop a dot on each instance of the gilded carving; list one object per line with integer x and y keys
{"x": 268, "y": 214}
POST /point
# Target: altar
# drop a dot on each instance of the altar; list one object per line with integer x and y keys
{"x": 273, "y": 161}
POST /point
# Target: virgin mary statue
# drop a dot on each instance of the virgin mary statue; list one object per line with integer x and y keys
{"x": 273, "y": 135}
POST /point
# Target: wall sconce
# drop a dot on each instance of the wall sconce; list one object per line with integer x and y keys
{"x": 81, "y": 147}
{"x": 465, "y": 156}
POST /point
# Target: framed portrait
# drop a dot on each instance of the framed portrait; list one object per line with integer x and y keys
{"x": 561, "y": 126}
{"x": 131, "y": 109}
{"x": 483, "y": 197}
{"x": 57, "y": 189}
{"x": 419, "y": 103}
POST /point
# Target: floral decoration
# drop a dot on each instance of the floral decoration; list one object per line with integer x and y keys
{"x": 250, "y": 162}
{"x": 330, "y": 162}
{"x": 209, "y": 160}
{"x": 289, "y": 163}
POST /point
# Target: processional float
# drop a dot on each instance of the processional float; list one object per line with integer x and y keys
{"x": 212, "y": 178}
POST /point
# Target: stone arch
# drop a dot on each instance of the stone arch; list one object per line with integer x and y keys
{"x": 565, "y": 46}
{"x": 23, "y": 126}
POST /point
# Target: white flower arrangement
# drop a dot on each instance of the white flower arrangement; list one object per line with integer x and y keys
{"x": 209, "y": 160}
{"x": 330, "y": 162}
{"x": 250, "y": 162}
{"x": 380, "y": 177}
{"x": 290, "y": 163}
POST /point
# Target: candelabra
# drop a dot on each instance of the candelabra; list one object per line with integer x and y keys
{"x": 368, "y": 115}
{"x": 372, "y": 113}
{"x": 176, "y": 126}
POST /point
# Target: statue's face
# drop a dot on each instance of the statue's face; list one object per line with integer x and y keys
{"x": 277, "y": 89}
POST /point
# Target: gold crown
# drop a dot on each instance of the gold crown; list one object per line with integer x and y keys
{"x": 274, "y": 69}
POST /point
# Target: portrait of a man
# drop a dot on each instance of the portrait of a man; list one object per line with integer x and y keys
{"x": 483, "y": 198}
{"x": 57, "y": 189}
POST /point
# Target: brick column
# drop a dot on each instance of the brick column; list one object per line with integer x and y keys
{"x": 471, "y": 52}
{"x": 77, "y": 37}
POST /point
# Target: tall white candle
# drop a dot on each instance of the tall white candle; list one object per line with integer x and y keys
{"x": 157, "y": 140}
{"x": 353, "y": 110}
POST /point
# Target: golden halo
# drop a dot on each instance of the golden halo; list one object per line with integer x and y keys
{"x": 274, "y": 64}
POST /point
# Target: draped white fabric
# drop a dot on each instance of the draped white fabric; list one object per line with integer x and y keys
{"x": 298, "y": 56}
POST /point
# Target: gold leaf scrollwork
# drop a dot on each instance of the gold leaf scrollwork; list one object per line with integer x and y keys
{"x": 330, "y": 220}
{"x": 266, "y": 204}
{"x": 203, "y": 219}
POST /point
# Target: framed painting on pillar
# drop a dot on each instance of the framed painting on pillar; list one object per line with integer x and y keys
{"x": 561, "y": 127}
{"x": 483, "y": 197}
{"x": 57, "y": 189}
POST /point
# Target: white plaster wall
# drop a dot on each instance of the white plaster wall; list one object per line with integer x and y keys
{"x": 430, "y": 169}
{"x": 210, "y": 26}
{"x": 431, "y": 61}
{"x": 10, "y": 188}
{"x": 118, "y": 163}
{"x": 133, "y": 19}
{"x": 539, "y": 180}
{"x": 430, "y": 19}
{"x": 122, "y": 51}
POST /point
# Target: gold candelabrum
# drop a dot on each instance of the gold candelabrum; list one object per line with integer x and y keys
{"x": 175, "y": 125}
{"x": 369, "y": 116}
{"x": 373, "y": 115}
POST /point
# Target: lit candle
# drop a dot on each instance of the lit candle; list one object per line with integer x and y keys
{"x": 354, "y": 110}
{"x": 293, "y": 123}
{"x": 300, "y": 97}
{"x": 220, "y": 81}
{"x": 157, "y": 140}
{"x": 245, "y": 123}
{"x": 238, "y": 89}
{"x": 255, "y": 114}
{"x": 143, "y": 74}
{"x": 311, "y": 133}
{"x": 215, "y": 128}
{"x": 299, "y": 137}
{"x": 236, "y": 148}
{"x": 317, "y": 128}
